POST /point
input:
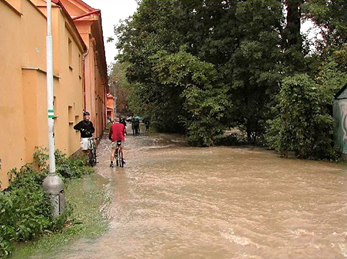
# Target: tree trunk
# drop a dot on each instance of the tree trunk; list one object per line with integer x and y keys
{"x": 293, "y": 36}
{"x": 292, "y": 39}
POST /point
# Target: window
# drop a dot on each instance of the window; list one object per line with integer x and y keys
{"x": 70, "y": 52}
{"x": 70, "y": 113}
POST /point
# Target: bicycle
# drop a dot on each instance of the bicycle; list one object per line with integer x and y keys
{"x": 119, "y": 155}
{"x": 92, "y": 152}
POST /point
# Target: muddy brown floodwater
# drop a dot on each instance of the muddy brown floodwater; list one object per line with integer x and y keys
{"x": 173, "y": 201}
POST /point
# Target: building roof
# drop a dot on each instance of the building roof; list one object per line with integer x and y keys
{"x": 58, "y": 3}
{"x": 86, "y": 5}
{"x": 81, "y": 12}
{"x": 340, "y": 92}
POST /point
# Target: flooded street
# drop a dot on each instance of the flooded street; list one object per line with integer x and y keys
{"x": 174, "y": 201}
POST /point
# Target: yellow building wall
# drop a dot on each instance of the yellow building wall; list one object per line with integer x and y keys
{"x": 35, "y": 115}
{"x": 12, "y": 145}
{"x": 95, "y": 89}
{"x": 95, "y": 80}
{"x": 23, "y": 99}
{"x": 69, "y": 92}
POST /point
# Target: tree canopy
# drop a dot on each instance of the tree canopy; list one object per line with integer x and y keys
{"x": 199, "y": 67}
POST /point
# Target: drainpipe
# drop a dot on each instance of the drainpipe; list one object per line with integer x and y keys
{"x": 52, "y": 184}
{"x": 84, "y": 79}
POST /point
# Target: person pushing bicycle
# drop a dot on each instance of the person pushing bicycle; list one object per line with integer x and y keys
{"x": 117, "y": 136}
{"x": 87, "y": 129}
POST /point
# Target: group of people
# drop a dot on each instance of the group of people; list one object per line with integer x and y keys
{"x": 135, "y": 125}
{"x": 117, "y": 134}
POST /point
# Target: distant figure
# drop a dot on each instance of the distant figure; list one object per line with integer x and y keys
{"x": 135, "y": 125}
{"x": 147, "y": 124}
{"x": 123, "y": 121}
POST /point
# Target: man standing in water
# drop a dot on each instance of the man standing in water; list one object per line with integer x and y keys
{"x": 117, "y": 133}
{"x": 87, "y": 129}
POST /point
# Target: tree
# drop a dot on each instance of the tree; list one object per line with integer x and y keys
{"x": 331, "y": 17}
{"x": 119, "y": 87}
{"x": 292, "y": 39}
{"x": 303, "y": 123}
{"x": 199, "y": 67}
{"x": 255, "y": 64}
{"x": 241, "y": 39}
{"x": 152, "y": 29}
{"x": 205, "y": 101}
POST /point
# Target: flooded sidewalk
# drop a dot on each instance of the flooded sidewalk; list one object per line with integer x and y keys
{"x": 173, "y": 201}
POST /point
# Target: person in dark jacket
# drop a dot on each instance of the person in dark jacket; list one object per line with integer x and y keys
{"x": 147, "y": 124}
{"x": 134, "y": 126}
{"x": 123, "y": 121}
{"x": 87, "y": 129}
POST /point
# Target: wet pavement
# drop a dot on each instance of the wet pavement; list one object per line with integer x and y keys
{"x": 174, "y": 201}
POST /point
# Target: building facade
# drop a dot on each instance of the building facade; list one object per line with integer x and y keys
{"x": 23, "y": 95}
{"x": 89, "y": 24}
{"x": 110, "y": 107}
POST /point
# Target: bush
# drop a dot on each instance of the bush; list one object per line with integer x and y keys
{"x": 206, "y": 112}
{"x": 25, "y": 208}
{"x": 303, "y": 123}
{"x": 66, "y": 167}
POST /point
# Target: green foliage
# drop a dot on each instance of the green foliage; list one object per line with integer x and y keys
{"x": 332, "y": 73}
{"x": 25, "y": 208}
{"x": 85, "y": 221}
{"x": 256, "y": 64}
{"x": 303, "y": 124}
{"x": 215, "y": 57}
{"x": 200, "y": 67}
{"x": 331, "y": 18}
{"x": 206, "y": 110}
{"x": 66, "y": 167}
{"x": 120, "y": 87}
{"x": 204, "y": 102}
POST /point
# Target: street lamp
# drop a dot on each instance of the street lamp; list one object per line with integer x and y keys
{"x": 52, "y": 184}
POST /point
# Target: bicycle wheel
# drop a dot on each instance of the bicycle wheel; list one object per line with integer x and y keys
{"x": 120, "y": 158}
{"x": 116, "y": 156}
{"x": 92, "y": 157}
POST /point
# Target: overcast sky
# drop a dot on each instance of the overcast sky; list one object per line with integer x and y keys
{"x": 112, "y": 11}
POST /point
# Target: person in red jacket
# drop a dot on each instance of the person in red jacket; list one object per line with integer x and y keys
{"x": 117, "y": 133}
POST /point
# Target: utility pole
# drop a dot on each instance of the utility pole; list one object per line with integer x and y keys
{"x": 52, "y": 185}
{"x": 50, "y": 92}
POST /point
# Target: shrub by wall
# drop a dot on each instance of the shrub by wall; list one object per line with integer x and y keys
{"x": 303, "y": 124}
{"x": 24, "y": 207}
